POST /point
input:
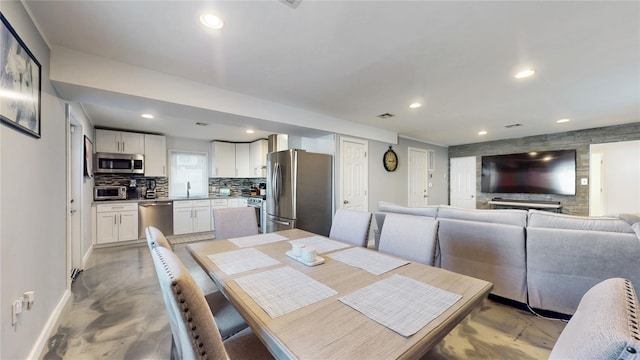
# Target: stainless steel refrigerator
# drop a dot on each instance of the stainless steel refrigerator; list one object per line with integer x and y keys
{"x": 299, "y": 191}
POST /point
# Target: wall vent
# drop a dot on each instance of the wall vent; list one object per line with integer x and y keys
{"x": 385, "y": 116}
{"x": 293, "y": 3}
{"x": 512, "y": 126}
{"x": 197, "y": 123}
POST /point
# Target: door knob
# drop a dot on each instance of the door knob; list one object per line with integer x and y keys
{"x": 345, "y": 202}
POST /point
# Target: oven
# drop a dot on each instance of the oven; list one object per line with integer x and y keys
{"x": 258, "y": 203}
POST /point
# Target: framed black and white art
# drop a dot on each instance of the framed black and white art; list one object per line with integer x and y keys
{"x": 19, "y": 83}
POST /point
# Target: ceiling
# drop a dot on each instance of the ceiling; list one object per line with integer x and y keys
{"x": 354, "y": 60}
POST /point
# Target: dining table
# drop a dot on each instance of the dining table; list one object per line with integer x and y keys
{"x": 352, "y": 303}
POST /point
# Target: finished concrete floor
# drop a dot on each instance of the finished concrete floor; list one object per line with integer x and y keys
{"x": 116, "y": 312}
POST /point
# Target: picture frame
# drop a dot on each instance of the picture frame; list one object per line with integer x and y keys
{"x": 20, "y": 83}
{"x": 88, "y": 157}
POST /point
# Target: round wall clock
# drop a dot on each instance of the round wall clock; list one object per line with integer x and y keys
{"x": 390, "y": 160}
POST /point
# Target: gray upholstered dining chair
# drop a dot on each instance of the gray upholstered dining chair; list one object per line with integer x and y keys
{"x": 235, "y": 222}
{"x": 351, "y": 226}
{"x": 606, "y": 324}
{"x": 411, "y": 237}
{"x": 155, "y": 236}
{"x": 193, "y": 326}
{"x": 228, "y": 319}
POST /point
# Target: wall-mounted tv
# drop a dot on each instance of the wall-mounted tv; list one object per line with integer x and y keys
{"x": 543, "y": 172}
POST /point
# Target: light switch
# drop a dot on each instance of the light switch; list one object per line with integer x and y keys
{"x": 584, "y": 181}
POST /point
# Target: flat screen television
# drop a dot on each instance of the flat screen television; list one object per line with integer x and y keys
{"x": 544, "y": 172}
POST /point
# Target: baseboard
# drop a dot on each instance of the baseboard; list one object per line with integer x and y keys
{"x": 48, "y": 327}
{"x": 85, "y": 258}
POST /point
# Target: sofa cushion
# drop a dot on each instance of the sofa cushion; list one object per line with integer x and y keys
{"x": 545, "y": 219}
{"x": 492, "y": 252}
{"x": 563, "y": 264}
{"x": 507, "y": 217}
{"x": 605, "y": 326}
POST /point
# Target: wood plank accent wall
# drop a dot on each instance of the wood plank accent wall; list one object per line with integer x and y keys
{"x": 579, "y": 140}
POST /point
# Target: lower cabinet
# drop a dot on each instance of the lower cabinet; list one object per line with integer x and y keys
{"x": 191, "y": 216}
{"x": 116, "y": 222}
{"x": 217, "y": 204}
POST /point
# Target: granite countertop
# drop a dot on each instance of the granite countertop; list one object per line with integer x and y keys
{"x": 180, "y": 198}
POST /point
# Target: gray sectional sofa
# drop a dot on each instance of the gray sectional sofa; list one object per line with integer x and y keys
{"x": 543, "y": 259}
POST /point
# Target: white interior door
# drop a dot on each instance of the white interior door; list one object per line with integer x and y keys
{"x": 75, "y": 163}
{"x": 620, "y": 176}
{"x": 418, "y": 188}
{"x": 596, "y": 205}
{"x": 354, "y": 174}
{"x": 463, "y": 182}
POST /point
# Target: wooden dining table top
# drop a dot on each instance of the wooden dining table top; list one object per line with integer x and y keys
{"x": 329, "y": 329}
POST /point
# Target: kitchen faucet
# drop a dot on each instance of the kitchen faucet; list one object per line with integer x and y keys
{"x": 188, "y": 187}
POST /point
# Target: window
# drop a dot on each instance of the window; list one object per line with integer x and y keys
{"x": 188, "y": 168}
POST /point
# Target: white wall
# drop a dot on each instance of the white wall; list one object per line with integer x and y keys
{"x": 33, "y": 208}
{"x": 393, "y": 186}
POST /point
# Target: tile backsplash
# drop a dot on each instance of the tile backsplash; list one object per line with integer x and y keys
{"x": 238, "y": 186}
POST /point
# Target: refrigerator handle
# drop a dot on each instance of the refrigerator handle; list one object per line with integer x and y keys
{"x": 285, "y": 223}
{"x": 275, "y": 183}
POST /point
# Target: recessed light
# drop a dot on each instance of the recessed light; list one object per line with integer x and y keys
{"x": 524, "y": 73}
{"x": 211, "y": 21}
{"x": 415, "y": 105}
{"x": 249, "y": 131}
{"x": 147, "y": 116}
{"x": 482, "y": 132}
{"x": 562, "y": 121}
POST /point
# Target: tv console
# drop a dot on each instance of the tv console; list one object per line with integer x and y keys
{"x": 500, "y": 203}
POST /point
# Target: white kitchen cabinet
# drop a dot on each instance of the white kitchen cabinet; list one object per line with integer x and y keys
{"x": 155, "y": 155}
{"x": 217, "y": 204}
{"x": 223, "y": 162}
{"x": 116, "y": 222}
{"x": 111, "y": 141}
{"x": 191, "y": 216}
{"x": 258, "y": 158}
{"x": 243, "y": 160}
{"x": 235, "y": 202}
{"x": 240, "y": 160}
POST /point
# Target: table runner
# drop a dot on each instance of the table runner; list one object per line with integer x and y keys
{"x": 253, "y": 240}
{"x": 280, "y": 291}
{"x": 237, "y": 261}
{"x": 402, "y": 304}
{"x": 320, "y": 244}
{"x": 371, "y": 261}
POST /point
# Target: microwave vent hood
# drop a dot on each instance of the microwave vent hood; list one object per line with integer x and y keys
{"x": 110, "y": 163}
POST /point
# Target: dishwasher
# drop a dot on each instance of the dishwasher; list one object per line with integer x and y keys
{"x": 158, "y": 214}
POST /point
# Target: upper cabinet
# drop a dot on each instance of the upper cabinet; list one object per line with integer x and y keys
{"x": 259, "y": 158}
{"x": 242, "y": 160}
{"x": 111, "y": 141}
{"x": 155, "y": 155}
{"x": 224, "y": 159}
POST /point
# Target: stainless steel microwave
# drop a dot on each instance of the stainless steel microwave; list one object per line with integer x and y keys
{"x": 108, "y": 163}
{"x": 109, "y": 193}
